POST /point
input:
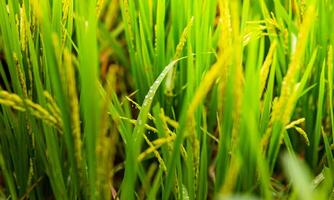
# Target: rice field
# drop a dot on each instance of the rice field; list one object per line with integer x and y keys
{"x": 166, "y": 99}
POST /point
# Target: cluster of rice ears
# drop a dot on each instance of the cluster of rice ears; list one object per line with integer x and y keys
{"x": 166, "y": 99}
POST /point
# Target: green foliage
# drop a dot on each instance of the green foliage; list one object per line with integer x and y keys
{"x": 166, "y": 99}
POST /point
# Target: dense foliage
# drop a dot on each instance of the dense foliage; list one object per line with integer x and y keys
{"x": 166, "y": 99}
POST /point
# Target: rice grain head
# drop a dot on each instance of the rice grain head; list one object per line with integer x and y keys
{"x": 283, "y": 107}
{"x": 70, "y": 83}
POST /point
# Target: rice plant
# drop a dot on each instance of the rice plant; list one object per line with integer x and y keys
{"x": 166, "y": 99}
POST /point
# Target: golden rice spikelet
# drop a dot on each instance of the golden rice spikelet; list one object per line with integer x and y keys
{"x": 225, "y": 41}
{"x": 73, "y": 98}
{"x": 53, "y": 107}
{"x": 21, "y": 75}
{"x": 129, "y": 23}
{"x": 99, "y": 7}
{"x": 155, "y": 145}
{"x": 183, "y": 39}
{"x": 133, "y": 121}
{"x": 226, "y": 23}
{"x": 230, "y": 37}
{"x": 110, "y": 17}
{"x": 239, "y": 75}
{"x": 220, "y": 68}
{"x": 283, "y": 107}
{"x": 74, "y": 109}
{"x": 170, "y": 133}
{"x": 40, "y": 112}
{"x": 156, "y": 154}
{"x": 299, "y": 130}
{"x": 289, "y": 81}
{"x": 295, "y": 123}
{"x": 23, "y": 27}
{"x": 225, "y": 47}
{"x": 169, "y": 84}
{"x": 67, "y": 5}
{"x": 238, "y": 82}
{"x": 11, "y": 97}
{"x": 37, "y": 9}
{"x": 16, "y": 102}
{"x": 105, "y": 151}
{"x": 66, "y": 9}
{"x": 12, "y": 104}
{"x": 232, "y": 175}
{"x": 266, "y": 66}
{"x": 58, "y": 52}
{"x": 53, "y": 104}
{"x": 303, "y": 134}
{"x": 302, "y": 9}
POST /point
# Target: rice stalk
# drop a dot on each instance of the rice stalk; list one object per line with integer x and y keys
{"x": 70, "y": 83}
{"x": 220, "y": 68}
{"x": 266, "y": 66}
{"x": 239, "y": 74}
{"x": 330, "y": 86}
{"x": 232, "y": 175}
{"x": 104, "y": 141}
{"x": 170, "y": 79}
{"x": 283, "y": 107}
